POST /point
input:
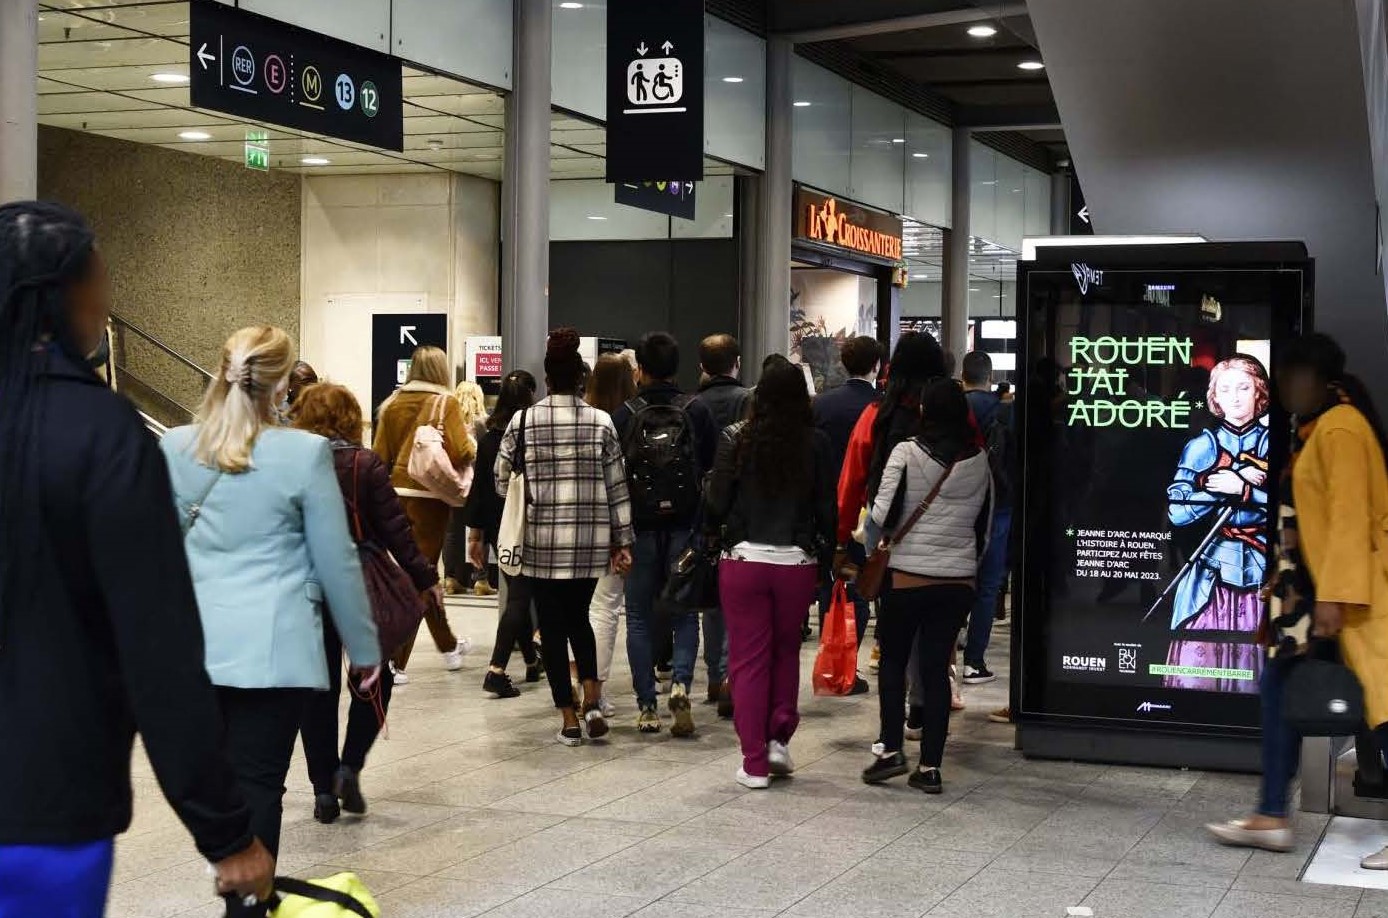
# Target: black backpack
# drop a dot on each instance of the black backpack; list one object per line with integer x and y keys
{"x": 662, "y": 463}
{"x": 997, "y": 440}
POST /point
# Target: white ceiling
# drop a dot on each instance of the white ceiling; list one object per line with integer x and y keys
{"x": 97, "y": 59}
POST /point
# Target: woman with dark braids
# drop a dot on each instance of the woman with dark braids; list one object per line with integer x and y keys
{"x": 265, "y": 529}
{"x": 99, "y": 632}
{"x": 770, "y": 501}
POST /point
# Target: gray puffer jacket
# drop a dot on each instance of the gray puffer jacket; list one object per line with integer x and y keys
{"x": 950, "y": 537}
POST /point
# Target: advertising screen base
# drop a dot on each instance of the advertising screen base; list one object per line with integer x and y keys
{"x": 1152, "y": 454}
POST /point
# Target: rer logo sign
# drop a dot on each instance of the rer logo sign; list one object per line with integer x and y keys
{"x": 266, "y": 71}
{"x": 674, "y": 199}
{"x": 394, "y": 337}
{"x": 655, "y": 90}
{"x": 826, "y": 221}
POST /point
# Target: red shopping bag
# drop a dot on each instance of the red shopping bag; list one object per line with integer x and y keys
{"x": 836, "y": 665}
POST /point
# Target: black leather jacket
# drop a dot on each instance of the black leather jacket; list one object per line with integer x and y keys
{"x": 737, "y": 510}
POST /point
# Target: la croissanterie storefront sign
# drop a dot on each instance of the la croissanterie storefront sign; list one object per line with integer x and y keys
{"x": 826, "y": 221}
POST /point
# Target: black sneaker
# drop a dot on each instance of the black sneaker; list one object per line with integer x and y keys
{"x": 885, "y": 767}
{"x": 927, "y": 781}
{"x": 860, "y": 686}
{"x": 326, "y": 809}
{"x": 977, "y": 673}
{"x": 347, "y": 786}
{"x": 499, "y": 685}
{"x": 533, "y": 672}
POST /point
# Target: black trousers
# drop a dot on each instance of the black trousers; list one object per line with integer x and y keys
{"x": 562, "y": 607}
{"x": 515, "y": 628}
{"x": 928, "y": 617}
{"x": 319, "y": 730}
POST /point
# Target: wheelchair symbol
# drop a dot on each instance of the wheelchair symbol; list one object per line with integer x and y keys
{"x": 658, "y": 81}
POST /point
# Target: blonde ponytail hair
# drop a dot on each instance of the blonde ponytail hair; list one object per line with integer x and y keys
{"x": 240, "y": 401}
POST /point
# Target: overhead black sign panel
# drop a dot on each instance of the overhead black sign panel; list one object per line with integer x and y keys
{"x": 655, "y": 90}
{"x": 674, "y": 199}
{"x": 264, "y": 70}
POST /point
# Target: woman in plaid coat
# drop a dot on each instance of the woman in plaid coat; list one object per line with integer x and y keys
{"x": 578, "y": 523}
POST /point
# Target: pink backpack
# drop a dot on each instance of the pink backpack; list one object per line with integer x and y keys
{"x": 430, "y": 466}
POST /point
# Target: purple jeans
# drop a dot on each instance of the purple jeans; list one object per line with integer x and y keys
{"x": 764, "y": 605}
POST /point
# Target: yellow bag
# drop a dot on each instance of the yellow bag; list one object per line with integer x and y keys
{"x": 340, "y": 896}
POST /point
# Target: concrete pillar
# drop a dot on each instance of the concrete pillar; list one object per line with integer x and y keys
{"x": 1060, "y": 204}
{"x": 956, "y": 306}
{"x": 19, "y": 120}
{"x": 749, "y": 263}
{"x": 525, "y": 193}
{"x": 776, "y": 203}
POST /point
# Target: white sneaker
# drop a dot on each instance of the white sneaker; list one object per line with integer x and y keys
{"x": 1237, "y": 834}
{"x": 453, "y": 659}
{"x": 752, "y": 782}
{"x": 781, "y": 764}
{"x": 398, "y": 676}
{"x": 608, "y": 709}
{"x": 1377, "y": 861}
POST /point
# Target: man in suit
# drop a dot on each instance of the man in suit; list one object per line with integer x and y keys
{"x": 836, "y": 412}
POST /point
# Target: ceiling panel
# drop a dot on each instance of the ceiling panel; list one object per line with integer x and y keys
{"x": 70, "y": 21}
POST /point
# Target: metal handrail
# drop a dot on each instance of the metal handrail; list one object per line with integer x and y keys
{"x": 131, "y": 377}
{"x": 154, "y": 426}
{"x": 125, "y": 323}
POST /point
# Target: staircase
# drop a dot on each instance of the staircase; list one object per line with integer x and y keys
{"x": 139, "y": 359}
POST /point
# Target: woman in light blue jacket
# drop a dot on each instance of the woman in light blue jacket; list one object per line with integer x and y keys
{"x": 267, "y": 541}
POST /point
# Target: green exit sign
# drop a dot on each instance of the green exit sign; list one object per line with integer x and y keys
{"x": 258, "y": 150}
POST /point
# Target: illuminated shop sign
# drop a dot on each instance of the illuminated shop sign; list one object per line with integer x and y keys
{"x": 827, "y": 221}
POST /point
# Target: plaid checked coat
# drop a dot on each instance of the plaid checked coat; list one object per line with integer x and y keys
{"x": 579, "y": 505}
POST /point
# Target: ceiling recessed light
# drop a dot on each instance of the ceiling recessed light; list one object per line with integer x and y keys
{"x": 1031, "y": 65}
{"x": 315, "y": 161}
{"x": 194, "y": 135}
{"x": 802, "y": 104}
{"x": 898, "y": 140}
{"x": 983, "y": 31}
{"x": 570, "y": 5}
{"x": 168, "y": 77}
{"x": 732, "y": 79}
{"x": 596, "y": 217}
{"x": 973, "y": 290}
{"x": 921, "y": 155}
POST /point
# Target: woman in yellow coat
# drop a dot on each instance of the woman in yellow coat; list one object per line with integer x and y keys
{"x": 1333, "y": 569}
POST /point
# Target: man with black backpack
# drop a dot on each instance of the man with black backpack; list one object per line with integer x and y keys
{"x": 994, "y": 418}
{"x": 669, "y": 440}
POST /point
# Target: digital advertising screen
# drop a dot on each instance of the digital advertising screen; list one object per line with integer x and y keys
{"x": 1153, "y": 449}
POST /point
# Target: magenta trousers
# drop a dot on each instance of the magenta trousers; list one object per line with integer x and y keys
{"x": 764, "y": 606}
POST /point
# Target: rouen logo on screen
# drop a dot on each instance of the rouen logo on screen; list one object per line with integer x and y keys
{"x": 1087, "y": 277}
{"x": 1084, "y": 664}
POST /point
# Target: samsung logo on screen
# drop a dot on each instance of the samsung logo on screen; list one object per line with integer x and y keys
{"x": 1149, "y": 707}
{"x": 1084, "y": 664}
{"x": 1087, "y": 277}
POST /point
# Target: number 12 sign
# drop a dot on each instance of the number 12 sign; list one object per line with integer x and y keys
{"x": 266, "y": 71}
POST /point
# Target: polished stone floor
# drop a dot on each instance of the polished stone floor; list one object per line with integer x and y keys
{"x": 475, "y": 810}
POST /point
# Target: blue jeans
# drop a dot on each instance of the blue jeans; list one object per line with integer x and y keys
{"x": 652, "y": 557}
{"x": 56, "y": 881}
{"x": 1281, "y": 744}
{"x": 862, "y": 611}
{"x": 715, "y": 646}
{"x": 992, "y": 574}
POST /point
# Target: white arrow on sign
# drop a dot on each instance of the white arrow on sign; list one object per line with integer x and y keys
{"x": 667, "y": 47}
{"x": 641, "y": 49}
{"x": 406, "y": 336}
{"x": 204, "y": 57}
{"x": 1084, "y": 214}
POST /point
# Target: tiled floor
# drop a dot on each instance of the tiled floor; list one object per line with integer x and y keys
{"x": 476, "y": 810}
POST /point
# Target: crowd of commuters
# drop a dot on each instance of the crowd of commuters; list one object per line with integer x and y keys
{"x": 276, "y": 550}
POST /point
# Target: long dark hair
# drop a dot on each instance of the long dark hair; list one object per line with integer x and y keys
{"x": 945, "y": 429}
{"x": 1323, "y": 356}
{"x": 917, "y": 362}
{"x": 44, "y": 250}
{"x": 776, "y": 440}
{"x": 610, "y": 385}
{"x": 517, "y": 392}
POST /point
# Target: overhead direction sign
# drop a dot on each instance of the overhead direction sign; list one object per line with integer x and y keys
{"x": 655, "y": 90}
{"x": 263, "y": 70}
